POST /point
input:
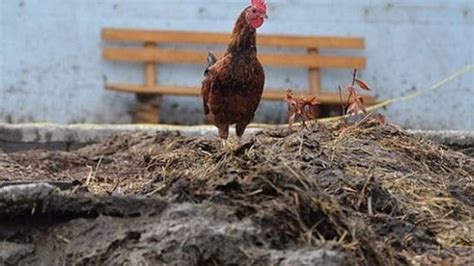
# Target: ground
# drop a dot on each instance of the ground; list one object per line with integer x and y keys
{"x": 364, "y": 194}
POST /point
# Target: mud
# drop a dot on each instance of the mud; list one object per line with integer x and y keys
{"x": 366, "y": 195}
{"x": 43, "y": 225}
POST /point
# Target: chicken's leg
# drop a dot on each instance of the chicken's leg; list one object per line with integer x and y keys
{"x": 240, "y": 129}
{"x": 224, "y": 134}
{"x": 223, "y": 131}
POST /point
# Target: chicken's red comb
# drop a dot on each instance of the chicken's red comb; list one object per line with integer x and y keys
{"x": 260, "y": 5}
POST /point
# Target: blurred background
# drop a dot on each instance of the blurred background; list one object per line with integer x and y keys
{"x": 52, "y": 69}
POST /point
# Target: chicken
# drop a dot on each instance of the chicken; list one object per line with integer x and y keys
{"x": 233, "y": 85}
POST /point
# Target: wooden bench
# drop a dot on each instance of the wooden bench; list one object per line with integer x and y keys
{"x": 151, "y": 54}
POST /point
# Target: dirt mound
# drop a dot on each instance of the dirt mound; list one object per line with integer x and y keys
{"x": 368, "y": 194}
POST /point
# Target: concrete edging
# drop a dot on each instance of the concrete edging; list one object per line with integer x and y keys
{"x": 89, "y": 133}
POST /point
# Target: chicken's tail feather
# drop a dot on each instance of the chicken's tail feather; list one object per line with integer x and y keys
{"x": 211, "y": 60}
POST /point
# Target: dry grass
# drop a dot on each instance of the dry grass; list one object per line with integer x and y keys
{"x": 374, "y": 191}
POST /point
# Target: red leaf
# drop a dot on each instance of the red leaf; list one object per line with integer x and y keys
{"x": 292, "y": 104}
{"x": 351, "y": 91}
{"x": 361, "y": 105}
{"x": 362, "y": 84}
{"x": 357, "y": 107}
{"x": 351, "y": 108}
{"x": 312, "y": 101}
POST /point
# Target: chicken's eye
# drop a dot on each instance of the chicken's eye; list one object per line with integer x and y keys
{"x": 254, "y": 11}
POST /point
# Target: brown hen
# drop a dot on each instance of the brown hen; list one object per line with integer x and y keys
{"x": 233, "y": 85}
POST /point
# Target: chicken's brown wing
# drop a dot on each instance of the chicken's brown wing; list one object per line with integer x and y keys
{"x": 215, "y": 74}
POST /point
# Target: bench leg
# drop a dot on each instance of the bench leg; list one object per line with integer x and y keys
{"x": 147, "y": 109}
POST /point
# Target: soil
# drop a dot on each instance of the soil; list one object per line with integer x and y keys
{"x": 328, "y": 195}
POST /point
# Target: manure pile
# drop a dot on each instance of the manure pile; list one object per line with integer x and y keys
{"x": 366, "y": 194}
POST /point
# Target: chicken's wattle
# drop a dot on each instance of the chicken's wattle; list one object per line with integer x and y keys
{"x": 256, "y": 22}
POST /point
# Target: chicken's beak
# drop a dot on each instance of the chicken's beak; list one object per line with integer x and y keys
{"x": 264, "y": 16}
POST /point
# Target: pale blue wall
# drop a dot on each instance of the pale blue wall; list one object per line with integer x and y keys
{"x": 51, "y": 67}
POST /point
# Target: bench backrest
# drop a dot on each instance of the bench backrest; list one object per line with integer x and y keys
{"x": 151, "y": 54}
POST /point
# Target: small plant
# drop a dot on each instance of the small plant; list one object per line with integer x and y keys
{"x": 355, "y": 103}
{"x": 305, "y": 108}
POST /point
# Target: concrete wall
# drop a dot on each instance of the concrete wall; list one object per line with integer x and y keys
{"x": 51, "y": 67}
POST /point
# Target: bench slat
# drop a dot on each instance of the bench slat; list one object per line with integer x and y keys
{"x": 195, "y": 57}
{"x": 289, "y": 41}
{"x": 268, "y": 94}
